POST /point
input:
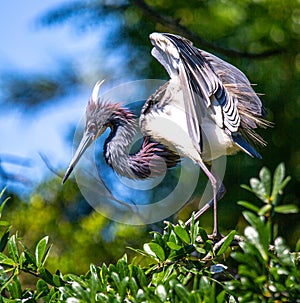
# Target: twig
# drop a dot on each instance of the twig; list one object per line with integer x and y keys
{"x": 49, "y": 166}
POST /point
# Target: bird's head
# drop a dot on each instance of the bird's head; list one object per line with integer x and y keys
{"x": 98, "y": 118}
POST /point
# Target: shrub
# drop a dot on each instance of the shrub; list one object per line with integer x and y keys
{"x": 181, "y": 264}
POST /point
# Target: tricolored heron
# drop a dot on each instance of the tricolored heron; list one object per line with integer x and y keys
{"x": 211, "y": 101}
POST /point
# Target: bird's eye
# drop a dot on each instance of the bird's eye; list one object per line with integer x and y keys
{"x": 92, "y": 128}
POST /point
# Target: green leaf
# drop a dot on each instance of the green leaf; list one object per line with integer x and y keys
{"x": 194, "y": 231}
{"x": 201, "y": 250}
{"x": 57, "y": 280}
{"x": 12, "y": 247}
{"x": 94, "y": 280}
{"x": 42, "y": 287}
{"x": 277, "y": 180}
{"x": 226, "y": 243}
{"x": 203, "y": 234}
{"x": 6, "y": 260}
{"x": 259, "y": 189}
{"x": 252, "y": 218}
{"x": 253, "y": 236}
{"x": 155, "y": 250}
{"x": 40, "y": 251}
{"x": 182, "y": 293}
{"x": 4, "y": 202}
{"x": 247, "y": 187}
{"x": 265, "y": 177}
{"x": 122, "y": 288}
{"x": 15, "y": 288}
{"x": 286, "y": 209}
{"x": 122, "y": 268}
{"x": 46, "y": 276}
{"x": 161, "y": 292}
{"x": 4, "y": 240}
{"x": 174, "y": 246}
{"x": 133, "y": 286}
{"x": 115, "y": 278}
{"x": 248, "y": 205}
{"x": 22, "y": 259}
{"x": 265, "y": 209}
{"x": 182, "y": 234}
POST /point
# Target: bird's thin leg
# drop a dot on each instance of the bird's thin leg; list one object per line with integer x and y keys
{"x": 214, "y": 184}
{"x": 209, "y": 204}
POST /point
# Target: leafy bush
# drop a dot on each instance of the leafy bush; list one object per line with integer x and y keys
{"x": 181, "y": 264}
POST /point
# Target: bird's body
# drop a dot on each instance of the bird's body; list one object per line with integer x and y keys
{"x": 207, "y": 109}
{"x": 164, "y": 119}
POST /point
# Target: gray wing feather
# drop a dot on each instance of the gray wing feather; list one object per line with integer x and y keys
{"x": 239, "y": 87}
{"x": 199, "y": 82}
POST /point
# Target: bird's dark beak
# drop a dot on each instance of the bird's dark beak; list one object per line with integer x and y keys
{"x": 85, "y": 142}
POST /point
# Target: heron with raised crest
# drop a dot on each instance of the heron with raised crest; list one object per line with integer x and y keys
{"x": 206, "y": 109}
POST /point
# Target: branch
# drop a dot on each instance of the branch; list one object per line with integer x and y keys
{"x": 175, "y": 26}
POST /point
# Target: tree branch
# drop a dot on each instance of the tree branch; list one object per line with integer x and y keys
{"x": 175, "y": 26}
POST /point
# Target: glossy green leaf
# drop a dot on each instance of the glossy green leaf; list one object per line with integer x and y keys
{"x": 246, "y": 187}
{"x": 40, "y": 251}
{"x": 161, "y": 292}
{"x": 279, "y": 175}
{"x": 203, "y": 234}
{"x": 42, "y": 287}
{"x": 133, "y": 286}
{"x": 182, "y": 234}
{"x": 182, "y": 292}
{"x": 122, "y": 268}
{"x": 4, "y": 202}
{"x": 227, "y": 242}
{"x": 194, "y": 231}
{"x": 259, "y": 189}
{"x": 46, "y": 276}
{"x": 5, "y": 260}
{"x": 12, "y": 247}
{"x": 22, "y": 259}
{"x": 157, "y": 251}
{"x": 265, "y": 177}
{"x": 57, "y": 281}
{"x": 94, "y": 280}
{"x": 254, "y": 238}
{"x": 115, "y": 278}
{"x": 201, "y": 250}
{"x": 252, "y": 218}
{"x": 265, "y": 209}
{"x": 249, "y": 205}
{"x": 122, "y": 288}
{"x": 15, "y": 288}
{"x": 4, "y": 240}
{"x": 174, "y": 246}
{"x": 286, "y": 209}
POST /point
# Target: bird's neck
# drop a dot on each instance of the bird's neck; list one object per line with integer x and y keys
{"x": 151, "y": 160}
{"x": 117, "y": 145}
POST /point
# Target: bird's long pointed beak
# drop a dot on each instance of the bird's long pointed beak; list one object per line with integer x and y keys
{"x": 85, "y": 142}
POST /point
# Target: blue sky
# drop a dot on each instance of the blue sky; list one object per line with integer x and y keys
{"x": 28, "y": 47}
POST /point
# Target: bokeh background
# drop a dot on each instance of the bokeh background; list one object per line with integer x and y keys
{"x": 52, "y": 53}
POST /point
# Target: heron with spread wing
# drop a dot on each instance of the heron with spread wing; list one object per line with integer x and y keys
{"x": 207, "y": 109}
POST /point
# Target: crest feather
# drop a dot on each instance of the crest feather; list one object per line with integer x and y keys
{"x": 95, "y": 92}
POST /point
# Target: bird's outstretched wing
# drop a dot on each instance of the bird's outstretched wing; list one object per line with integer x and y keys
{"x": 204, "y": 79}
